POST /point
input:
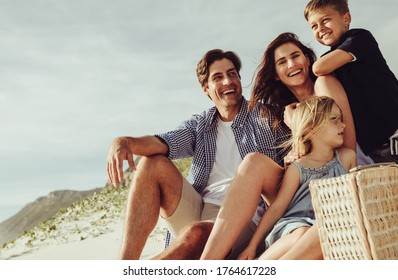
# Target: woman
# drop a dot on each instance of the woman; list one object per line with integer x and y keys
{"x": 283, "y": 78}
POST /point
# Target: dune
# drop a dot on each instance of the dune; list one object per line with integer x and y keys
{"x": 90, "y": 229}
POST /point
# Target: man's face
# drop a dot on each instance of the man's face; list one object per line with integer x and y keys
{"x": 224, "y": 87}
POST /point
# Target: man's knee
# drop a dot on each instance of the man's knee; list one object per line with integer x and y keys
{"x": 198, "y": 232}
{"x": 154, "y": 162}
{"x": 192, "y": 240}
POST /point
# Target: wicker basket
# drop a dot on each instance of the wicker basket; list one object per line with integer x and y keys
{"x": 357, "y": 213}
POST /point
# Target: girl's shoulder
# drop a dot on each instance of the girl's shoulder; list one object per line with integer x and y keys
{"x": 348, "y": 157}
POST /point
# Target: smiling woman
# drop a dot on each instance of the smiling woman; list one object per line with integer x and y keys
{"x": 285, "y": 77}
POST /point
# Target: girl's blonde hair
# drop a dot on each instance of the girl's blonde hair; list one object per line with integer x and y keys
{"x": 308, "y": 120}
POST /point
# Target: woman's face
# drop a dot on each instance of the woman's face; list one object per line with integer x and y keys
{"x": 291, "y": 65}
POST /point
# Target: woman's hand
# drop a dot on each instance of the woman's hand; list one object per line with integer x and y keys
{"x": 288, "y": 113}
{"x": 291, "y": 156}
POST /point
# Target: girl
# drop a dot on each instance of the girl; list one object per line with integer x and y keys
{"x": 317, "y": 133}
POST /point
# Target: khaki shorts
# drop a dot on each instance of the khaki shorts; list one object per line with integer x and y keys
{"x": 192, "y": 209}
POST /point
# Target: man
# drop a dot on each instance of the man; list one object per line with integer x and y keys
{"x": 217, "y": 139}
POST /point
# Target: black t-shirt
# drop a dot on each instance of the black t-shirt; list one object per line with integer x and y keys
{"x": 372, "y": 89}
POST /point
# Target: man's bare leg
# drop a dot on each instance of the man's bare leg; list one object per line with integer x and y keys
{"x": 156, "y": 188}
{"x": 189, "y": 244}
{"x": 256, "y": 175}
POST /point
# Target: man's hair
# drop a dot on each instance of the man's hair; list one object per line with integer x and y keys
{"x": 339, "y": 5}
{"x": 202, "y": 70}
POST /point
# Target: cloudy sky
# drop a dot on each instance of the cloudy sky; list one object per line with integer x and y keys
{"x": 76, "y": 73}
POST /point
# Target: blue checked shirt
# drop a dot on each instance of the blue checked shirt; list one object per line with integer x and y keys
{"x": 196, "y": 138}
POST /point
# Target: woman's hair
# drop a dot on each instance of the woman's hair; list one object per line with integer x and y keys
{"x": 269, "y": 91}
{"x": 203, "y": 67}
{"x": 308, "y": 120}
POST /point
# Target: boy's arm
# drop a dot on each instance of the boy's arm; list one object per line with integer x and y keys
{"x": 290, "y": 184}
{"x": 331, "y": 61}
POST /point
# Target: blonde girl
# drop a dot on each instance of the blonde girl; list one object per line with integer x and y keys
{"x": 317, "y": 133}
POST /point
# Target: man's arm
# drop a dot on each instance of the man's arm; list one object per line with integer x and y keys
{"x": 124, "y": 148}
{"x": 331, "y": 61}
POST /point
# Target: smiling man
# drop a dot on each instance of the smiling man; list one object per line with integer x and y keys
{"x": 217, "y": 140}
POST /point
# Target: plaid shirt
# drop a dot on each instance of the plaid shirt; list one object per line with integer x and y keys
{"x": 196, "y": 138}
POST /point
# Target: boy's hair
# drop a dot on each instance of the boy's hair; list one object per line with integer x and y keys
{"x": 339, "y": 5}
{"x": 308, "y": 120}
{"x": 202, "y": 69}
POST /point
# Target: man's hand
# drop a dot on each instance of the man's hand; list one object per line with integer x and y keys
{"x": 120, "y": 150}
{"x": 288, "y": 114}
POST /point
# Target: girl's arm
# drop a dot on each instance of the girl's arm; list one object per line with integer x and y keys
{"x": 290, "y": 184}
{"x": 331, "y": 61}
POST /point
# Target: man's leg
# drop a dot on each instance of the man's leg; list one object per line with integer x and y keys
{"x": 190, "y": 234}
{"x": 189, "y": 244}
{"x": 256, "y": 175}
{"x": 156, "y": 188}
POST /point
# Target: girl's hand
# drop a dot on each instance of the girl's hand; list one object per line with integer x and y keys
{"x": 247, "y": 254}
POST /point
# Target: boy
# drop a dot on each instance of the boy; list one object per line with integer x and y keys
{"x": 357, "y": 62}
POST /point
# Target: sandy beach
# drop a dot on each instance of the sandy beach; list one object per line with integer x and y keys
{"x": 90, "y": 229}
{"x": 103, "y": 247}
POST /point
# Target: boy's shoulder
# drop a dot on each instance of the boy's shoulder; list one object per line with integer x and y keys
{"x": 356, "y": 34}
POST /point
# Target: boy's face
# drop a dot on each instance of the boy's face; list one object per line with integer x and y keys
{"x": 328, "y": 25}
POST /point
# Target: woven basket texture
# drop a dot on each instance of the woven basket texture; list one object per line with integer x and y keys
{"x": 357, "y": 214}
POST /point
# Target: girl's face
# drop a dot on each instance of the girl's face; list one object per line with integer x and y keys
{"x": 291, "y": 65}
{"x": 328, "y": 25}
{"x": 333, "y": 131}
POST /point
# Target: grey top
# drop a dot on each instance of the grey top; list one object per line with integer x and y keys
{"x": 300, "y": 211}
